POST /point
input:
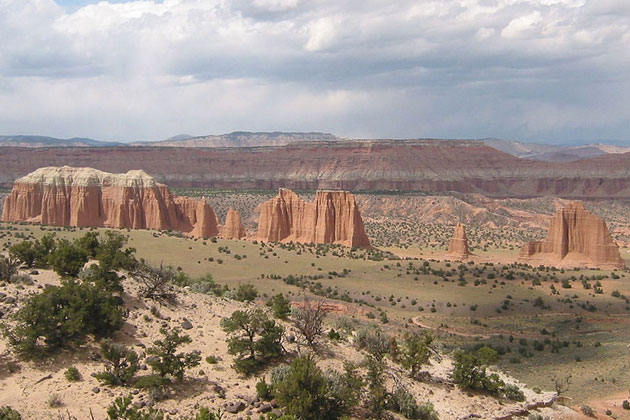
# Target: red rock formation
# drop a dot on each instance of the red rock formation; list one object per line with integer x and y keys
{"x": 65, "y": 196}
{"x": 332, "y": 218}
{"x": 576, "y": 238}
{"x": 233, "y": 228}
{"x": 458, "y": 246}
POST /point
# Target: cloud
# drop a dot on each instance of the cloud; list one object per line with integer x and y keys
{"x": 454, "y": 68}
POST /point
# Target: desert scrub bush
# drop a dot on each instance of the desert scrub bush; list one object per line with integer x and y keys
{"x": 374, "y": 341}
{"x": 8, "y": 267}
{"x": 122, "y": 409}
{"x": 72, "y": 374}
{"x": 309, "y": 321}
{"x": 263, "y": 390}
{"x": 245, "y": 292}
{"x": 305, "y": 392}
{"x": 416, "y": 351}
{"x": 55, "y": 401}
{"x": 254, "y": 339}
{"x": 67, "y": 259}
{"x": 212, "y": 360}
{"x": 280, "y": 306}
{"x": 25, "y": 252}
{"x": 587, "y": 410}
{"x": 155, "y": 282}
{"x": 166, "y": 362}
{"x": 64, "y": 315}
{"x": 403, "y": 402}
{"x": 8, "y": 413}
{"x": 470, "y": 372}
{"x": 206, "y": 285}
{"x": 121, "y": 364}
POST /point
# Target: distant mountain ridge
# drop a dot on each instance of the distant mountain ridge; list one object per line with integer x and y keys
{"x": 242, "y": 139}
{"x": 44, "y": 141}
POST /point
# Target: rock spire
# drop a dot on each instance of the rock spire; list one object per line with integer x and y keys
{"x": 458, "y": 246}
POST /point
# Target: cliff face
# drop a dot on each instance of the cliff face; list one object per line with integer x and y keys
{"x": 233, "y": 228}
{"x": 466, "y": 167}
{"x": 332, "y": 218}
{"x": 65, "y": 196}
{"x": 576, "y": 238}
{"x": 458, "y": 246}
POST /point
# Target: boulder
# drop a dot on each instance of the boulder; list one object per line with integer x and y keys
{"x": 576, "y": 238}
{"x": 333, "y": 218}
{"x": 86, "y": 197}
{"x": 458, "y": 246}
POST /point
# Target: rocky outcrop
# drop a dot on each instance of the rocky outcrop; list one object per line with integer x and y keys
{"x": 66, "y": 196}
{"x": 458, "y": 246}
{"x": 333, "y": 218}
{"x": 576, "y": 238}
{"x": 233, "y": 227}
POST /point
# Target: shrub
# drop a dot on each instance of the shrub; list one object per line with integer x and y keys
{"x": 207, "y": 285}
{"x": 246, "y": 293}
{"x": 309, "y": 321}
{"x": 111, "y": 255}
{"x": 123, "y": 409}
{"x": 55, "y": 401}
{"x": 625, "y": 405}
{"x": 7, "y": 413}
{"x": 334, "y": 335}
{"x": 121, "y": 364}
{"x": 65, "y": 315}
{"x": 72, "y": 374}
{"x": 280, "y": 306}
{"x": 8, "y": 268}
{"x": 512, "y": 392}
{"x": 205, "y": 414}
{"x": 304, "y": 392}
{"x": 212, "y": 360}
{"x": 166, "y": 360}
{"x": 25, "y": 252}
{"x": 470, "y": 373}
{"x": 105, "y": 279}
{"x": 89, "y": 243}
{"x": 251, "y": 353}
{"x": 155, "y": 282}
{"x": 67, "y": 259}
{"x": 587, "y": 411}
{"x": 377, "y": 393}
{"x": 403, "y": 402}
{"x": 155, "y": 385}
{"x": 416, "y": 351}
{"x": 373, "y": 341}
{"x": 263, "y": 390}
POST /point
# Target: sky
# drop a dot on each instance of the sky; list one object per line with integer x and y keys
{"x": 532, "y": 70}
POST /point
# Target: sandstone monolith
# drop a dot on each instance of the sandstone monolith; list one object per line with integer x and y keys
{"x": 67, "y": 196}
{"x": 458, "y": 246}
{"x": 576, "y": 238}
{"x": 233, "y": 227}
{"x": 333, "y": 218}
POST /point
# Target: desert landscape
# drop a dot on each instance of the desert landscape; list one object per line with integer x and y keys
{"x": 314, "y": 210}
{"x": 532, "y": 289}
